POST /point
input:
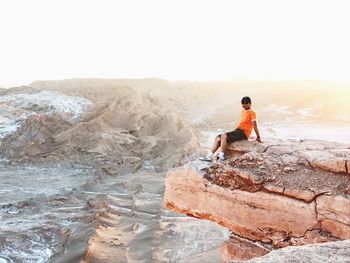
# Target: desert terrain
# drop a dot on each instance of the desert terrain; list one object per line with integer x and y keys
{"x": 84, "y": 162}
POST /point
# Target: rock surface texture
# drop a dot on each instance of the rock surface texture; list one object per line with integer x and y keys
{"x": 279, "y": 193}
{"x": 329, "y": 252}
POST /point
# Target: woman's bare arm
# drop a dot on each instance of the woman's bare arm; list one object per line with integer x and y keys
{"x": 255, "y": 125}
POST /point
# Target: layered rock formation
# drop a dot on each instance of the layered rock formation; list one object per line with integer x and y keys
{"x": 329, "y": 252}
{"x": 280, "y": 193}
{"x": 115, "y": 123}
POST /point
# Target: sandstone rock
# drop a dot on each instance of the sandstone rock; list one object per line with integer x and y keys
{"x": 260, "y": 147}
{"x": 246, "y": 146}
{"x": 304, "y": 195}
{"x": 288, "y": 159}
{"x": 334, "y": 207}
{"x": 311, "y": 144}
{"x": 272, "y": 196}
{"x": 314, "y": 236}
{"x": 288, "y": 169}
{"x": 326, "y": 160}
{"x": 329, "y": 252}
{"x": 255, "y": 179}
{"x": 281, "y": 149}
{"x": 241, "y": 249}
{"x": 242, "y": 146}
{"x": 273, "y": 188}
{"x": 334, "y": 214}
{"x": 336, "y": 229}
{"x": 253, "y": 215}
{"x": 319, "y": 154}
{"x": 341, "y": 153}
{"x": 330, "y": 164}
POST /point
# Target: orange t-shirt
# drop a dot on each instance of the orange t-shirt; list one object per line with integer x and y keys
{"x": 247, "y": 116}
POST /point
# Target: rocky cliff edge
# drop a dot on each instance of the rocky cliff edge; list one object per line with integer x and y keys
{"x": 270, "y": 195}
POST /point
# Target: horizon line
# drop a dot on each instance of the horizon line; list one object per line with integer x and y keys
{"x": 9, "y": 85}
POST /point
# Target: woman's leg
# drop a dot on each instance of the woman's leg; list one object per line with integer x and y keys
{"x": 223, "y": 142}
{"x": 216, "y": 144}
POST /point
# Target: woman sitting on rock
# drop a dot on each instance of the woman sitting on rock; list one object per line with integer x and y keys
{"x": 242, "y": 132}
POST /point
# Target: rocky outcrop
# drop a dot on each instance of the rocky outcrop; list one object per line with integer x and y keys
{"x": 329, "y": 252}
{"x": 328, "y": 156}
{"x": 334, "y": 214}
{"x": 276, "y": 193}
{"x": 243, "y": 249}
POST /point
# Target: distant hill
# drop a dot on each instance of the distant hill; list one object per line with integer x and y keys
{"x": 304, "y": 100}
{"x": 218, "y": 102}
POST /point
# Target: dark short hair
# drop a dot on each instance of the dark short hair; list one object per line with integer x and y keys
{"x": 246, "y": 100}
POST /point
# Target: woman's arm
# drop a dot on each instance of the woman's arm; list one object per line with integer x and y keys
{"x": 255, "y": 125}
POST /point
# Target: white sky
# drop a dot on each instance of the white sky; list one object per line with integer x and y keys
{"x": 194, "y": 40}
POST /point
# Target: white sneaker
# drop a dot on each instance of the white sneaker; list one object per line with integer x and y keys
{"x": 205, "y": 158}
{"x": 221, "y": 159}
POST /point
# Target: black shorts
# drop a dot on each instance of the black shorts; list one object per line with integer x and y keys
{"x": 235, "y": 135}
